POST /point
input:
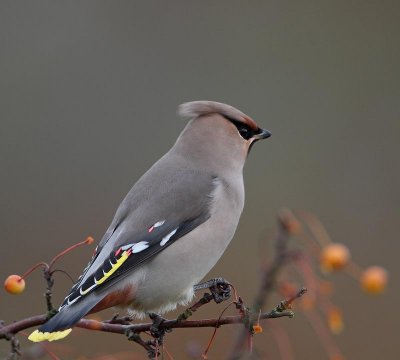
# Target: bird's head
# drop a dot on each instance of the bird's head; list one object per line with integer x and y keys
{"x": 218, "y": 132}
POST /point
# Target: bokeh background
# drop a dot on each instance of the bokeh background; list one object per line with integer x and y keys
{"x": 88, "y": 95}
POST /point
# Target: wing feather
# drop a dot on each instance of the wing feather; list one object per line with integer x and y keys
{"x": 133, "y": 248}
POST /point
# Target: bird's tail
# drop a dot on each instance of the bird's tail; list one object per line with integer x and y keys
{"x": 60, "y": 325}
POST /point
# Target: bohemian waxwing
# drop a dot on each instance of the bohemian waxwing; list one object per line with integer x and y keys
{"x": 172, "y": 227}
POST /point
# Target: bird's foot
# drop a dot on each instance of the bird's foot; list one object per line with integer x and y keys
{"x": 155, "y": 330}
{"x": 220, "y": 291}
{"x": 219, "y": 287}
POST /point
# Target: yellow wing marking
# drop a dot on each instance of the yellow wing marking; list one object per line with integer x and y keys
{"x": 114, "y": 268}
{"x": 38, "y": 336}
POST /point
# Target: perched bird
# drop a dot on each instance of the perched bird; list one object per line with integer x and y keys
{"x": 173, "y": 225}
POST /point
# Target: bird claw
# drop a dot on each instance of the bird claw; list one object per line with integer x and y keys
{"x": 155, "y": 330}
{"x": 220, "y": 289}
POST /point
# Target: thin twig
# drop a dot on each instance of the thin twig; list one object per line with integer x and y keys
{"x": 205, "y": 352}
{"x": 88, "y": 240}
{"x": 15, "y": 349}
{"x": 48, "y": 294}
{"x": 205, "y": 299}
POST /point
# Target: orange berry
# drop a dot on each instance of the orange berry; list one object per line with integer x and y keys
{"x": 374, "y": 280}
{"x": 14, "y": 284}
{"x": 257, "y": 329}
{"x": 334, "y": 257}
{"x": 89, "y": 240}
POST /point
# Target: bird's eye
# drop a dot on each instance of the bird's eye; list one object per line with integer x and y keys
{"x": 244, "y": 131}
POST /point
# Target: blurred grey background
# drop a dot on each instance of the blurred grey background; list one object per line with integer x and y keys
{"x": 88, "y": 95}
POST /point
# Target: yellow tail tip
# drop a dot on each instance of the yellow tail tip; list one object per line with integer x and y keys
{"x": 38, "y": 336}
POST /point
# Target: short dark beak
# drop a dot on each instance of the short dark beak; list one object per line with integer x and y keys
{"x": 262, "y": 134}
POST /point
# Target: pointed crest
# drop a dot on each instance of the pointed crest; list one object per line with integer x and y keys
{"x": 201, "y": 108}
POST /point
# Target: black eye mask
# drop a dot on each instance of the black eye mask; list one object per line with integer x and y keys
{"x": 244, "y": 131}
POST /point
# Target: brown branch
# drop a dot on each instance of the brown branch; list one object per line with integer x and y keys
{"x": 89, "y": 324}
{"x": 20, "y": 325}
{"x": 123, "y": 325}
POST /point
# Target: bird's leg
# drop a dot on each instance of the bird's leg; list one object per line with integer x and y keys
{"x": 219, "y": 287}
{"x": 155, "y": 330}
{"x": 220, "y": 291}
